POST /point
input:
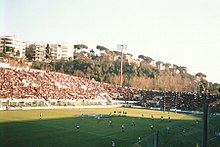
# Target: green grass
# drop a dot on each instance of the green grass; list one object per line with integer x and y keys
{"x": 57, "y": 128}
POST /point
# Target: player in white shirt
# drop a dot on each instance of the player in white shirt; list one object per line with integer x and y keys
{"x": 152, "y": 128}
{"x": 77, "y": 127}
{"x": 168, "y": 129}
{"x": 122, "y": 128}
{"x": 110, "y": 123}
{"x": 139, "y": 142}
{"x": 113, "y": 143}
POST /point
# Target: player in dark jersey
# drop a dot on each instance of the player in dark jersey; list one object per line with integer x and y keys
{"x": 152, "y": 117}
{"x": 133, "y": 123}
{"x": 82, "y": 116}
{"x": 169, "y": 119}
{"x": 41, "y": 114}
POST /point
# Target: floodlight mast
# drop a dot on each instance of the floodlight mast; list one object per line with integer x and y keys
{"x": 205, "y": 96}
{"x": 121, "y": 47}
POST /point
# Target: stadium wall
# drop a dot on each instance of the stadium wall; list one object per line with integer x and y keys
{"x": 58, "y": 107}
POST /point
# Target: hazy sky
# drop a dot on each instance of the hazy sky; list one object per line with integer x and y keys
{"x": 182, "y": 32}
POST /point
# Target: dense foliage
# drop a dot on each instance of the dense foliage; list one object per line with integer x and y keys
{"x": 146, "y": 76}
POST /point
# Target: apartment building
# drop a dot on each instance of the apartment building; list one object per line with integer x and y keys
{"x": 64, "y": 51}
{"x": 56, "y": 51}
{"x": 36, "y": 52}
{"x": 67, "y": 51}
{"x": 13, "y": 46}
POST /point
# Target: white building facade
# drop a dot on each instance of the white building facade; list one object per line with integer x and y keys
{"x": 56, "y": 51}
{"x": 13, "y": 46}
{"x": 67, "y": 51}
{"x": 36, "y": 52}
{"x": 64, "y": 51}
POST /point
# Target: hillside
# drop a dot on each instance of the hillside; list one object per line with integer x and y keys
{"x": 141, "y": 73}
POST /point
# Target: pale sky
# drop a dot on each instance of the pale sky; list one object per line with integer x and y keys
{"x": 182, "y": 32}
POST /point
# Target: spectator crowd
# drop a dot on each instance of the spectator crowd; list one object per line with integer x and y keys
{"x": 38, "y": 84}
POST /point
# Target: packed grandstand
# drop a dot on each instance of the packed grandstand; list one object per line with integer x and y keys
{"x": 24, "y": 84}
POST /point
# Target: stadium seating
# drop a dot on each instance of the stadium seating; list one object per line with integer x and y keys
{"x": 38, "y": 84}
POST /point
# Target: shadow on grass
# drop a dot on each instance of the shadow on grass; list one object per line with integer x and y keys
{"x": 97, "y": 132}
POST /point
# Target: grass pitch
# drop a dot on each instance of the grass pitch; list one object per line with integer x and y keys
{"x": 58, "y": 128}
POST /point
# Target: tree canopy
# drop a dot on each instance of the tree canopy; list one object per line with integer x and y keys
{"x": 145, "y": 58}
{"x": 105, "y": 68}
{"x": 48, "y": 52}
{"x": 200, "y": 75}
{"x": 80, "y": 46}
{"x": 102, "y": 48}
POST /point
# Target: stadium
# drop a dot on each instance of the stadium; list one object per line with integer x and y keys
{"x": 109, "y": 73}
{"x": 42, "y": 108}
